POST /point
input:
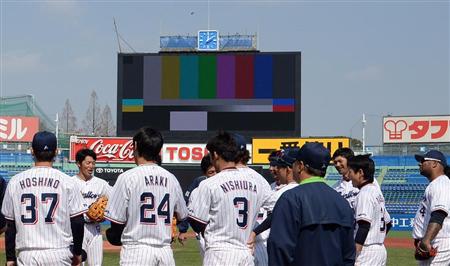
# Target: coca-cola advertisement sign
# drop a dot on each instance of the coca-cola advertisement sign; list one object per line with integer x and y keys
{"x": 109, "y": 150}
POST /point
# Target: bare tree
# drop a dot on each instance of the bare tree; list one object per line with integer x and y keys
{"x": 68, "y": 120}
{"x": 107, "y": 127}
{"x": 92, "y": 120}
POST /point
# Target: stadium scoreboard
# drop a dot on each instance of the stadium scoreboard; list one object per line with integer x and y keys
{"x": 189, "y": 96}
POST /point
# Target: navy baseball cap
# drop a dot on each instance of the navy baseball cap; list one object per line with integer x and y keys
{"x": 287, "y": 157}
{"x": 241, "y": 142}
{"x": 44, "y": 141}
{"x": 432, "y": 155}
{"x": 273, "y": 157}
{"x": 314, "y": 155}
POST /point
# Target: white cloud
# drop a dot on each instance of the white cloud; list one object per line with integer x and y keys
{"x": 367, "y": 73}
{"x": 21, "y": 62}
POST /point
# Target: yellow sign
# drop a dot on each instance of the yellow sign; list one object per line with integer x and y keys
{"x": 263, "y": 147}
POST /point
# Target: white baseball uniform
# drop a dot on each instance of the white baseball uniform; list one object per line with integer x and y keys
{"x": 145, "y": 199}
{"x": 370, "y": 207}
{"x": 41, "y": 201}
{"x": 261, "y": 256}
{"x": 436, "y": 197}
{"x": 227, "y": 204}
{"x": 91, "y": 190}
{"x": 348, "y": 191}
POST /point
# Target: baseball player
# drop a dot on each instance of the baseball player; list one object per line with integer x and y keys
{"x": 372, "y": 219}
{"x": 431, "y": 228}
{"x": 344, "y": 186}
{"x": 273, "y": 156}
{"x": 208, "y": 170}
{"x": 225, "y": 206}
{"x": 44, "y": 211}
{"x": 260, "y": 234}
{"x": 91, "y": 188}
{"x": 2, "y": 195}
{"x": 142, "y": 204}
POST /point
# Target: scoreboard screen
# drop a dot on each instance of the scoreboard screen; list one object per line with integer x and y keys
{"x": 189, "y": 96}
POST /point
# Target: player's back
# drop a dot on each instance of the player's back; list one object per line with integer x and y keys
{"x": 148, "y": 197}
{"x": 370, "y": 207}
{"x": 235, "y": 199}
{"x": 43, "y": 200}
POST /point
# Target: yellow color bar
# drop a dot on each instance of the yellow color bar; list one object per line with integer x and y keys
{"x": 132, "y": 109}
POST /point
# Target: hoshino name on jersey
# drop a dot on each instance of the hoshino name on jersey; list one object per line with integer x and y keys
{"x": 155, "y": 181}
{"x": 238, "y": 185}
{"x": 38, "y": 182}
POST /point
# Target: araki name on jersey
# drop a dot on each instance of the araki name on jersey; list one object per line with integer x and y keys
{"x": 238, "y": 185}
{"x": 155, "y": 181}
{"x": 38, "y": 182}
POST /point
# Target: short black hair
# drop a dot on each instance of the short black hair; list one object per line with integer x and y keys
{"x": 44, "y": 156}
{"x": 364, "y": 163}
{"x": 243, "y": 156}
{"x": 83, "y": 153}
{"x": 224, "y": 145}
{"x": 206, "y": 163}
{"x": 148, "y": 143}
{"x": 344, "y": 152}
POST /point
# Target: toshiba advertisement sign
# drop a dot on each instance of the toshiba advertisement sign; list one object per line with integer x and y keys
{"x": 416, "y": 129}
{"x": 120, "y": 150}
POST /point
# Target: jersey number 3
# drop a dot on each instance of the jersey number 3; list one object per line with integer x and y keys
{"x": 31, "y": 210}
{"x": 241, "y": 204}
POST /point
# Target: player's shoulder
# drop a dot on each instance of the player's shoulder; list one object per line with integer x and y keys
{"x": 100, "y": 181}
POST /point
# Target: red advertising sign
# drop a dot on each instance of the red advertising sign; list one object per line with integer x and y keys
{"x": 416, "y": 129}
{"x": 107, "y": 149}
{"x": 18, "y": 128}
{"x": 120, "y": 150}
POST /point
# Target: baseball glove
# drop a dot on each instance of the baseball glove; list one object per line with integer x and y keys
{"x": 422, "y": 254}
{"x": 96, "y": 211}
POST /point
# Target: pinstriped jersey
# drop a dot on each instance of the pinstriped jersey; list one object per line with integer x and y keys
{"x": 348, "y": 191}
{"x": 144, "y": 199}
{"x": 369, "y": 207}
{"x": 92, "y": 189}
{"x": 275, "y": 196}
{"x": 41, "y": 201}
{"x": 436, "y": 197}
{"x": 228, "y": 203}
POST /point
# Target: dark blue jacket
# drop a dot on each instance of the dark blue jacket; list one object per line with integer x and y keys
{"x": 311, "y": 225}
{"x": 183, "y": 226}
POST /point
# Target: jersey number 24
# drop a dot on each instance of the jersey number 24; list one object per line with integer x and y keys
{"x": 148, "y": 207}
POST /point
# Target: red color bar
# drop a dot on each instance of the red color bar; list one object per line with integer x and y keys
{"x": 283, "y": 108}
{"x": 244, "y": 76}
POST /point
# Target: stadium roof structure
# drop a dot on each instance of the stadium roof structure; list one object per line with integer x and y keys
{"x": 25, "y": 105}
{"x": 186, "y": 43}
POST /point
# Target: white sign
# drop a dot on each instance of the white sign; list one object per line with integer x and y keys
{"x": 187, "y": 153}
{"x": 416, "y": 129}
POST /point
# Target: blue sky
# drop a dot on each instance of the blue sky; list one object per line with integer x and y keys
{"x": 373, "y": 57}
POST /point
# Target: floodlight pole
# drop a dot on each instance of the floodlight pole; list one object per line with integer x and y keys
{"x": 364, "y": 122}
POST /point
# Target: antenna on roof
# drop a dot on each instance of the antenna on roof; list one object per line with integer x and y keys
{"x": 119, "y": 38}
{"x": 117, "y": 35}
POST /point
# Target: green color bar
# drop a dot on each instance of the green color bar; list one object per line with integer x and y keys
{"x": 170, "y": 77}
{"x": 207, "y": 65}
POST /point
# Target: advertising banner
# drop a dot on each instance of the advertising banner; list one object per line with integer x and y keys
{"x": 18, "y": 128}
{"x": 416, "y": 129}
{"x": 263, "y": 147}
{"x": 402, "y": 222}
{"x": 120, "y": 150}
